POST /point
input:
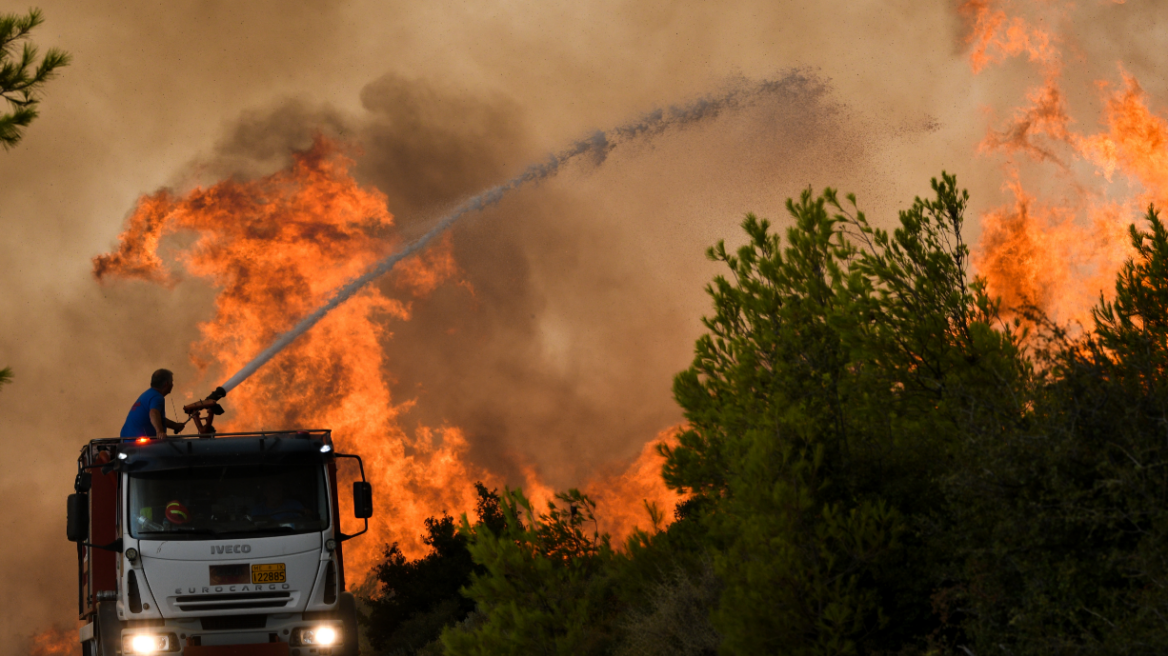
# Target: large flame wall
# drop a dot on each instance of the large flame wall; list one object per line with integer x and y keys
{"x": 276, "y": 248}
{"x": 1059, "y": 248}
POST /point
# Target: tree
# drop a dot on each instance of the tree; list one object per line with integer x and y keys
{"x": 21, "y": 79}
{"x": 835, "y": 383}
{"x": 1058, "y": 527}
{"x": 417, "y": 599}
{"x": 876, "y": 463}
{"x": 545, "y": 589}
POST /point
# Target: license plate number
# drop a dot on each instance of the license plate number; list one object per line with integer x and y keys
{"x": 268, "y": 573}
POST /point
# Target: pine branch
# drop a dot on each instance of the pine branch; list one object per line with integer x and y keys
{"x": 20, "y": 82}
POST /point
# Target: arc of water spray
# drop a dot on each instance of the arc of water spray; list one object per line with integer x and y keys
{"x": 795, "y": 84}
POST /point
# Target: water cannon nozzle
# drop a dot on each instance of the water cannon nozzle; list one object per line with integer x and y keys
{"x": 211, "y": 405}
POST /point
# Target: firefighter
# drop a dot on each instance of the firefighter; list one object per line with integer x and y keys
{"x": 147, "y": 417}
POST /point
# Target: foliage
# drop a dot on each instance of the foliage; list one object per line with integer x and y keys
{"x": 21, "y": 78}
{"x": 675, "y": 620}
{"x": 1061, "y": 525}
{"x": 543, "y": 591}
{"x": 876, "y": 463}
{"x": 417, "y": 599}
{"x": 822, "y": 405}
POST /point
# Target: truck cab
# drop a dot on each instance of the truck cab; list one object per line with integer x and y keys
{"x": 228, "y": 545}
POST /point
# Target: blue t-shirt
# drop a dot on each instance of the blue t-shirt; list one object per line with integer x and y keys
{"x": 138, "y": 421}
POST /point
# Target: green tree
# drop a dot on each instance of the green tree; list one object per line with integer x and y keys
{"x": 1059, "y": 526}
{"x": 417, "y": 599}
{"x": 876, "y": 463}
{"x": 824, "y": 405}
{"x": 545, "y": 589}
{"x": 21, "y": 78}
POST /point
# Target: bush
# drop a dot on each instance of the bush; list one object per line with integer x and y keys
{"x": 417, "y": 599}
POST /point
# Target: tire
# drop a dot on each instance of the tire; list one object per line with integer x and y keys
{"x": 109, "y": 630}
{"x": 347, "y": 613}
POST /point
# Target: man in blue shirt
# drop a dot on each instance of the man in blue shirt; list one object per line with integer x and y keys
{"x": 147, "y": 416}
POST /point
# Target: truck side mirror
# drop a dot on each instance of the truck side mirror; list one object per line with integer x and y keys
{"x": 362, "y": 500}
{"x": 77, "y": 518}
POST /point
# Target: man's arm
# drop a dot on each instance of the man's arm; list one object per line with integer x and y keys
{"x": 161, "y": 422}
{"x": 156, "y": 419}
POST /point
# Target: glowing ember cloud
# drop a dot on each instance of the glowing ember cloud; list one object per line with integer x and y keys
{"x": 276, "y": 248}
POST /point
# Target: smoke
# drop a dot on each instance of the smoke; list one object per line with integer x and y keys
{"x": 575, "y": 300}
{"x": 595, "y": 148}
{"x": 515, "y": 354}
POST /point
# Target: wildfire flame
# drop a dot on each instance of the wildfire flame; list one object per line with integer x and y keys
{"x": 995, "y": 36}
{"x": 622, "y": 498}
{"x": 276, "y": 248}
{"x": 55, "y": 641}
{"x": 1061, "y": 255}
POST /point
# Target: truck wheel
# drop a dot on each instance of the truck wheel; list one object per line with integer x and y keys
{"x": 347, "y": 613}
{"x": 109, "y": 629}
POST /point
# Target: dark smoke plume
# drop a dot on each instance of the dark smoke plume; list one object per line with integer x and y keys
{"x": 594, "y": 149}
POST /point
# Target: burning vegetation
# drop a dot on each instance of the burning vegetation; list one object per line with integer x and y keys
{"x": 56, "y": 641}
{"x": 277, "y": 248}
{"x": 876, "y": 459}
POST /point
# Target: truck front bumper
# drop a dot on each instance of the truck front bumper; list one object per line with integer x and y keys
{"x": 279, "y": 636}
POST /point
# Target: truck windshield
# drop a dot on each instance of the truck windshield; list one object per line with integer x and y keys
{"x": 228, "y": 500}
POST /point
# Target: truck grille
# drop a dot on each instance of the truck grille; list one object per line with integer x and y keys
{"x": 233, "y": 622}
{"x": 242, "y": 601}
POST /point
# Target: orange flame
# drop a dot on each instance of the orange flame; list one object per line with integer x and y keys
{"x": 1037, "y": 254}
{"x": 622, "y": 499}
{"x": 1046, "y": 116}
{"x": 995, "y": 36}
{"x": 1136, "y": 142}
{"x": 276, "y": 248}
{"x": 137, "y": 254}
{"x": 56, "y": 641}
{"x": 1062, "y": 255}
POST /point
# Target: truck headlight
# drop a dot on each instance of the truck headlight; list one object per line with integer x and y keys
{"x": 149, "y": 643}
{"x": 318, "y": 636}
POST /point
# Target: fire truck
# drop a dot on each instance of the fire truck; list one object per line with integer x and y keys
{"x": 214, "y": 544}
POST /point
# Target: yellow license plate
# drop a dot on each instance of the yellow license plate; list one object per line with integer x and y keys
{"x": 269, "y": 573}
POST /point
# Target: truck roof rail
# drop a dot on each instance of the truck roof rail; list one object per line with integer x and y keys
{"x": 111, "y": 444}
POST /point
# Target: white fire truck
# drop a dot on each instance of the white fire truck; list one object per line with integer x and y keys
{"x": 214, "y": 545}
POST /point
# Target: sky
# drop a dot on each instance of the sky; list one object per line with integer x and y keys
{"x": 587, "y": 289}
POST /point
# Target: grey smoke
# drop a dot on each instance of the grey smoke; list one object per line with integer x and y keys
{"x": 596, "y": 147}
